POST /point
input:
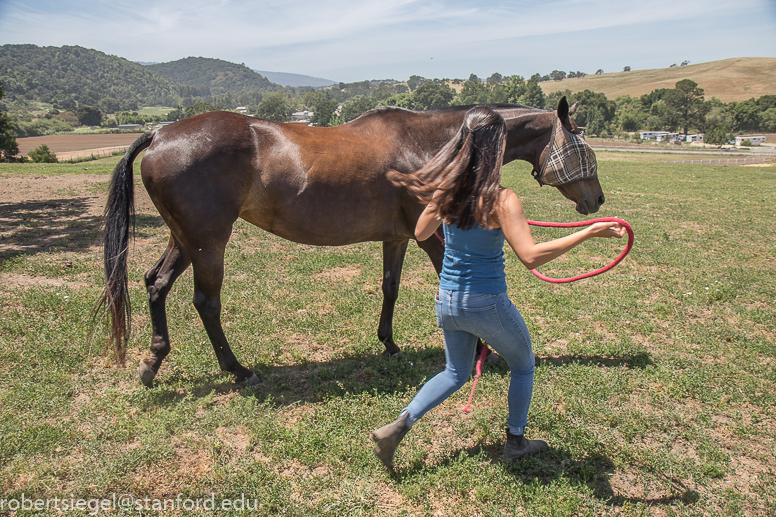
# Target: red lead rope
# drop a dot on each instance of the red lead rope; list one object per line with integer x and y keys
{"x": 587, "y": 223}
{"x": 484, "y": 351}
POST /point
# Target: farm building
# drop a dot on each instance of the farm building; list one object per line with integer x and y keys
{"x": 302, "y": 115}
{"x": 653, "y": 135}
{"x": 672, "y": 137}
{"x": 754, "y": 140}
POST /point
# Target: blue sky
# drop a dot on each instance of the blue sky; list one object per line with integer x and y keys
{"x": 354, "y": 40}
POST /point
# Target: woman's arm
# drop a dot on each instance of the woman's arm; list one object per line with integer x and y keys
{"x": 428, "y": 221}
{"x": 515, "y": 227}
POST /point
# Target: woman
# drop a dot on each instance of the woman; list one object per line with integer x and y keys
{"x": 461, "y": 188}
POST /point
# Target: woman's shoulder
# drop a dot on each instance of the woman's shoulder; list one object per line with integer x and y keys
{"x": 507, "y": 202}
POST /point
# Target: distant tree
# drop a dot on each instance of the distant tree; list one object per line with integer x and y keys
{"x": 596, "y": 125}
{"x": 768, "y": 123}
{"x": 533, "y": 96}
{"x": 8, "y": 146}
{"x": 474, "y": 92}
{"x": 686, "y": 100}
{"x": 553, "y": 98}
{"x": 515, "y": 87}
{"x": 599, "y": 71}
{"x": 198, "y": 108}
{"x": 415, "y": 81}
{"x": 356, "y": 107}
{"x": 630, "y": 114}
{"x": 557, "y": 75}
{"x": 473, "y": 77}
{"x": 626, "y": 69}
{"x": 109, "y": 105}
{"x": 42, "y": 154}
{"x": 433, "y": 96}
{"x": 594, "y": 111}
{"x": 718, "y": 135}
{"x": 766, "y": 102}
{"x": 176, "y": 114}
{"x": 274, "y": 106}
{"x": 685, "y": 63}
{"x": 88, "y": 116}
{"x": 495, "y": 78}
{"x": 323, "y": 112}
{"x": 401, "y": 100}
{"x": 673, "y": 65}
{"x": 746, "y": 115}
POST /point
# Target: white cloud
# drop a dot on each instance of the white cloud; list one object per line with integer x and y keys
{"x": 327, "y": 37}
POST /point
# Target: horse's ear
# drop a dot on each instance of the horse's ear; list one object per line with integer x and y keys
{"x": 573, "y": 108}
{"x": 563, "y": 109}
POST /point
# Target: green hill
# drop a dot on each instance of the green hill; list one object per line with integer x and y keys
{"x": 68, "y": 75}
{"x": 205, "y": 76}
{"x": 728, "y": 80}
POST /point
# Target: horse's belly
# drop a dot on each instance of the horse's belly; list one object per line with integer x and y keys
{"x": 322, "y": 220}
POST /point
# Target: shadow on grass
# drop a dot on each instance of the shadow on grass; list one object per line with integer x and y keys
{"x": 552, "y": 465}
{"x": 314, "y": 381}
{"x": 32, "y": 227}
{"x": 640, "y": 360}
{"x": 310, "y": 381}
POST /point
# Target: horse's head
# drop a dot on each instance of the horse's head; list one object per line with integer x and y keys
{"x": 568, "y": 163}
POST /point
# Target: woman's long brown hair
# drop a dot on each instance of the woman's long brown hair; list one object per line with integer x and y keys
{"x": 467, "y": 170}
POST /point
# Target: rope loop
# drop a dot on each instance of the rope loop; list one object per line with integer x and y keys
{"x": 580, "y": 224}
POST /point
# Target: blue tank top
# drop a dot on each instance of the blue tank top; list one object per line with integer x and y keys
{"x": 474, "y": 260}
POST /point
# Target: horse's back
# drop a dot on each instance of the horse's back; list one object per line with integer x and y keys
{"x": 324, "y": 186}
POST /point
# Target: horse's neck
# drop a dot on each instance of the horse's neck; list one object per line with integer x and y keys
{"x": 528, "y": 131}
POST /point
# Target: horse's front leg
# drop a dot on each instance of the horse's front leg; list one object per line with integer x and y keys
{"x": 393, "y": 260}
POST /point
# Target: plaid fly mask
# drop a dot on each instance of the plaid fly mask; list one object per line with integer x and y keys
{"x": 569, "y": 159}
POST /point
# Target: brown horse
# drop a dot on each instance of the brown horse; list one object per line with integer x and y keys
{"x": 318, "y": 186}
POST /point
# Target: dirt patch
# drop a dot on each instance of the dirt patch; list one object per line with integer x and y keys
{"x": 12, "y": 281}
{"x": 62, "y": 212}
{"x": 69, "y": 143}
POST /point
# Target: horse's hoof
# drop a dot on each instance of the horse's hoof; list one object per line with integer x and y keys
{"x": 147, "y": 374}
{"x": 397, "y": 355}
{"x": 253, "y": 380}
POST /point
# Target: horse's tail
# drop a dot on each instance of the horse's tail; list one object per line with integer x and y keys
{"x": 118, "y": 218}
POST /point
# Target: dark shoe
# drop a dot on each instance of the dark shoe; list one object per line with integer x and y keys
{"x": 388, "y": 438}
{"x": 518, "y": 446}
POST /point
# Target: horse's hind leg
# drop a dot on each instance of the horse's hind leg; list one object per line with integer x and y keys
{"x": 159, "y": 280}
{"x": 208, "y": 278}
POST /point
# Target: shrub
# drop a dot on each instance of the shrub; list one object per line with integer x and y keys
{"x": 42, "y": 154}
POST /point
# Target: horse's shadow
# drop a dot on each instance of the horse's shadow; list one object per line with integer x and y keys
{"x": 30, "y": 227}
{"x": 313, "y": 381}
{"x": 309, "y": 381}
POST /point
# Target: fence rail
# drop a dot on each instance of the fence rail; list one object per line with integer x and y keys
{"x": 728, "y": 161}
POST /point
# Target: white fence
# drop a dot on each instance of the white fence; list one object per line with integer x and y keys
{"x": 728, "y": 161}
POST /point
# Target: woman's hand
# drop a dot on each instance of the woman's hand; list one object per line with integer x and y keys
{"x": 429, "y": 220}
{"x": 607, "y": 230}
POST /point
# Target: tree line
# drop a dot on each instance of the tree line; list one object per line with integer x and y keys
{"x": 198, "y": 85}
{"x": 682, "y": 109}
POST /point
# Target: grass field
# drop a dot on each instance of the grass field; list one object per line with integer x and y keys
{"x": 654, "y": 382}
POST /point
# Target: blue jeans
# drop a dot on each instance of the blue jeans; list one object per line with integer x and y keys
{"x": 465, "y": 316}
